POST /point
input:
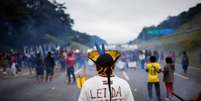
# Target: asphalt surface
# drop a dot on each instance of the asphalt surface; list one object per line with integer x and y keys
{"x": 26, "y": 88}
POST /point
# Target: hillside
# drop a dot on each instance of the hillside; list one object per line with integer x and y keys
{"x": 34, "y": 22}
{"x": 171, "y": 25}
{"x": 186, "y": 38}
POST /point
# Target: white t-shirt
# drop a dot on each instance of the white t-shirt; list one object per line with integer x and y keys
{"x": 96, "y": 89}
{"x": 120, "y": 64}
{"x": 141, "y": 56}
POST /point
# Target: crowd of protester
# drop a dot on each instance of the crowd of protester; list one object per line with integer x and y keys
{"x": 43, "y": 64}
{"x": 151, "y": 61}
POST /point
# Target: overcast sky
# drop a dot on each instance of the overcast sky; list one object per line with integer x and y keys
{"x": 119, "y": 21}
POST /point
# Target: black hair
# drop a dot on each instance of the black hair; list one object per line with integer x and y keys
{"x": 38, "y": 55}
{"x": 106, "y": 62}
{"x": 152, "y": 59}
{"x": 184, "y": 52}
{"x": 49, "y": 54}
{"x": 168, "y": 60}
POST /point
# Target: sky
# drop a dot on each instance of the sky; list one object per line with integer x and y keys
{"x": 120, "y": 21}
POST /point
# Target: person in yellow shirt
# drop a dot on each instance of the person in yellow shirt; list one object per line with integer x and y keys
{"x": 153, "y": 69}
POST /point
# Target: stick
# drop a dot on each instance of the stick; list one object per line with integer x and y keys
{"x": 177, "y": 96}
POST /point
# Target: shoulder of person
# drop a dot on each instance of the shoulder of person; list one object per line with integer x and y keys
{"x": 165, "y": 66}
{"x": 157, "y": 64}
{"x": 148, "y": 64}
{"x": 91, "y": 80}
{"x": 169, "y": 65}
{"x": 152, "y": 64}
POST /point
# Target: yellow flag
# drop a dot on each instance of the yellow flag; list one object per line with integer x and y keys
{"x": 80, "y": 80}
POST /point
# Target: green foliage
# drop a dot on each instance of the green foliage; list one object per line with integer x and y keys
{"x": 30, "y": 22}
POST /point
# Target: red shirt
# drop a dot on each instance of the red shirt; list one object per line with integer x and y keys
{"x": 70, "y": 60}
{"x": 13, "y": 59}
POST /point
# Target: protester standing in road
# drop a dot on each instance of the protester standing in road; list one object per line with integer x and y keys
{"x": 168, "y": 77}
{"x": 29, "y": 62}
{"x": 161, "y": 56}
{"x": 173, "y": 56}
{"x": 14, "y": 64}
{"x": 49, "y": 63}
{"x": 70, "y": 60}
{"x": 3, "y": 62}
{"x": 39, "y": 67}
{"x": 105, "y": 86}
{"x": 142, "y": 59}
{"x": 62, "y": 60}
{"x": 153, "y": 69}
{"x": 155, "y": 53}
{"x": 185, "y": 62}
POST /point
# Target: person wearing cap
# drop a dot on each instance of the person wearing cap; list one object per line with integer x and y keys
{"x": 105, "y": 86}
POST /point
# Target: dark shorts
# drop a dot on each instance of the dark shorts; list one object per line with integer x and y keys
{"x": 50, "y": 71}
{"x": 40, "y": 71}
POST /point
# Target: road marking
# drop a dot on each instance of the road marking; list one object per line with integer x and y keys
{"x": 78, "y": 71}
{"x": 194, "y": 68}
{"x": 26, "y": 73}
{"x": 135, "y": 90}
{"x": 125, "y": 76}
{"x": 182, "y": 76}
{"x": 53, "y": 88}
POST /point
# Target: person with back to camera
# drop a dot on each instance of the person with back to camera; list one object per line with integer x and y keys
{"x": 153, "y": 69}
{"x": 105, "y": 86}
{"x": 185, "y": 62}
{"x": 39, "y": 67}
{"x": 168, "y": 77}
{"x": 49, "y": 63}
{"x": 70, "y": 61}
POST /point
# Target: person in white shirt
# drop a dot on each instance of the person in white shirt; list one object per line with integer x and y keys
{"x": 98, "y": 88}
{"x": 142, "y": 59}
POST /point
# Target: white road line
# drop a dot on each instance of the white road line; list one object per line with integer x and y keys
{"x": 194, "y": 68}
{"x": 78, "y": 71}
{"x": 125, "y": 76}
{"x": 182, "y": 76}
{"x": 24, "y": 74}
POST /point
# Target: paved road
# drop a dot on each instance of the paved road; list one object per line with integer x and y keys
{"x": 27, "y": 89}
